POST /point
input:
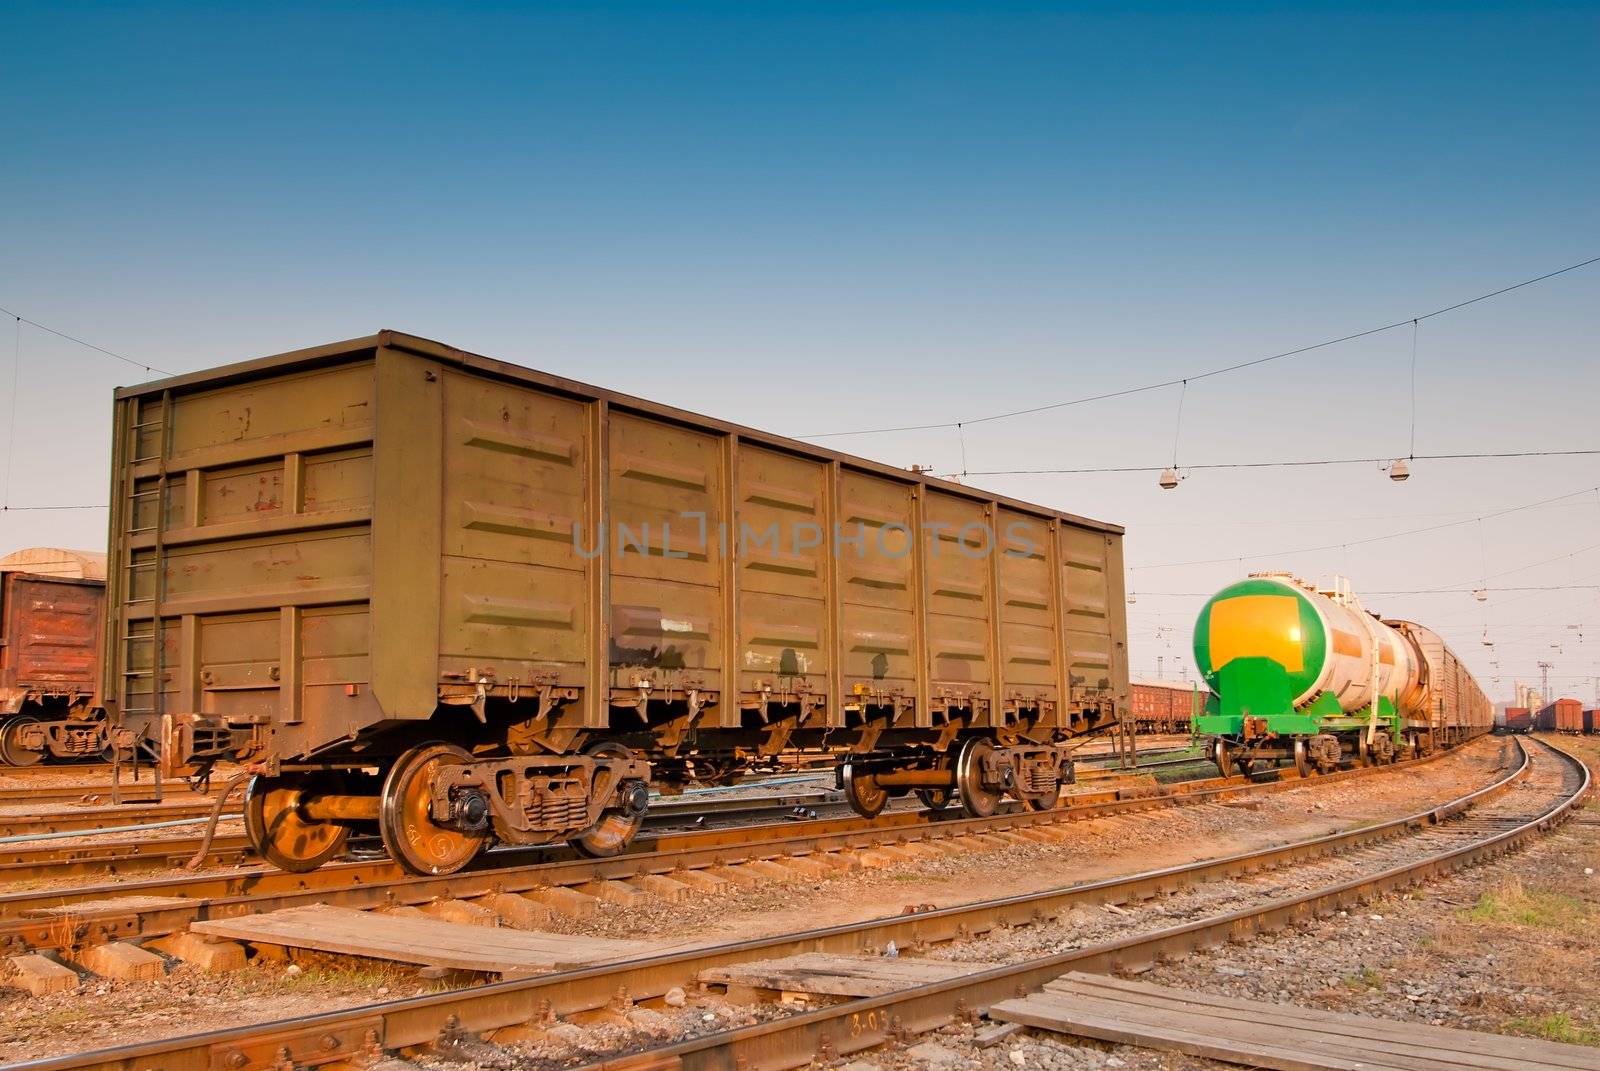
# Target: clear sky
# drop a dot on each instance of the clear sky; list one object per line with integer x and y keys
{"x": 830, "y": 217}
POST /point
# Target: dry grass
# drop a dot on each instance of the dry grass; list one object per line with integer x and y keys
{"x": 1544, "y": 908}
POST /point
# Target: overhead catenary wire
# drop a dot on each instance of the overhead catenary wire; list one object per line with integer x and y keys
{"x": 1304, "y": 463}
{"x": 1361, "y": 542}
{"x": 89, "y": 345}
{"x": 1298, "y": 351}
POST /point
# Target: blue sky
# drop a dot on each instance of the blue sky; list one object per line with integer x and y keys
{"x": 819, "y": 218}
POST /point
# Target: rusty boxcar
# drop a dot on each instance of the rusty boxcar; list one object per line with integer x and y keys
{"x": 467, "y": 601}
{"x": 49, "y": 671}
{"x": 1519, "y": 720}
{"x": 1165, "y": 706}
{"x": 1561, "y": 716}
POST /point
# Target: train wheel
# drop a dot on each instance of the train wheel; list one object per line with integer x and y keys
{"x": 620, "y": 824}
{"x": 280, "y": 832}
{"x": 405, "y": 814}
{"x": 1223, "y": 757}
{"x": 863, "y": 792}
{"x": 979, "y": 801}
{"x": 935, "y": 799}
{"x": 12, "y": 753}
{"x": 1302, "y": 757}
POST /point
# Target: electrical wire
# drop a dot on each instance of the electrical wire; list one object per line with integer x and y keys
{"x": 1319, "y": 462}
{"x": 1217, "y": 371}
{"x": 81, "y": 342}
{"x": 1361, "y": 542}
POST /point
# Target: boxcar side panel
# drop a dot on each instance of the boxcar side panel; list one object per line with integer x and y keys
{"x": 517, "y": 540}
{"x": 1090, "y": 640}
{"x": 878, "y": 626}
{"x": 783, "y": 611}
{"x": 665, "y": 501}
{"x": 956, "y": 550}
{"x": 1030, "y": 635}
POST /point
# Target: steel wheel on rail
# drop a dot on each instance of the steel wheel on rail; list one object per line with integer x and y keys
{"x": 278, "y": 829}
{"x": 862, "y": 791}
{"x": 12, "y": 753}
{"x": 1302, "y": 757}
{"x": 620, "y": 823}
{"x": 1222, "y": 755}
{"x": 979, "y": 801}
{"x": 405, "y": 814}
{"x": 935, "y": 799}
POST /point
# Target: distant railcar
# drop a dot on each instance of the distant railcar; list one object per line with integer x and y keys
{"x": 1165, "y": 707}
{"x": 1561, "y": 716}
{"x": 462, "y": 601}
{"x": 49, "y": 668}
{"x": 1310, "y": 676}
{"x": 1519, "y": 720}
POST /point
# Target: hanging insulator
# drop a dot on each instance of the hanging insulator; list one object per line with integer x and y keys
{"x": 1482, "y": 595}
{"x": 1399, "y": 471}
{"x": 1169, "y": 479}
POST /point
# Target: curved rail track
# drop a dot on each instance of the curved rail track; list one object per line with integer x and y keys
{"x": 1344, "y": 868}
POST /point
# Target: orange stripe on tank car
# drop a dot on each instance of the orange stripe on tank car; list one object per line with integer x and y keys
{"x": 1386, "y": 654}
{"x": 1346, "y": 643}
{"x": 1257, "y": 626}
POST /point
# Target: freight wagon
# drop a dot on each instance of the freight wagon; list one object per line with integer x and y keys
{"x": 49, "y": 671}
{"x": 1591, "y": 721}
{"x": 1561, "y": 716}
{"x": 1165, "y": 706}
{"x": 464, "y": 601}
{"x": 1519, "y": 720}
{"x": 1308, "y": 674}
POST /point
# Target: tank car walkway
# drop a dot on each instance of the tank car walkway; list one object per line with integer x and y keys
{"x": 1273, "y": 1035}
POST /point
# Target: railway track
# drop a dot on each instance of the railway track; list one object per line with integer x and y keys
{"x": 1283, "y": 885}
{"x": 28, "y": 918}
{"x": 37, "y": 855}
{"x": 181, "y": 802}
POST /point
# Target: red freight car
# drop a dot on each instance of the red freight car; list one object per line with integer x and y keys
{"x": 49, "y": 659}
{"x": 1591, "y": 720}
{"x": 1165, "y": 706}
{"x": 1519, "y": 720}
{"x": 1562, "y": 716}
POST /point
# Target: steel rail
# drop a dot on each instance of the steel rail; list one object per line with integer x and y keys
{"x": 856, "y": 1025}
{"x": 24, "y": 926}
{"x": 92, "y": 820}
{"x": 366, "y": 1032}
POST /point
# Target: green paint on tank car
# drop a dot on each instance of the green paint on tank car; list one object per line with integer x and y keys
{"x": 1260, "y": 644}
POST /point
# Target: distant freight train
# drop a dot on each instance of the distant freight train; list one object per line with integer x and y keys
{"x": 1165, "y": 707}
{"x": 1311, "y": 676}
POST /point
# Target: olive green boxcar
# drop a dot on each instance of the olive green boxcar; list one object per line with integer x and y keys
{"x": 468, "y": 600}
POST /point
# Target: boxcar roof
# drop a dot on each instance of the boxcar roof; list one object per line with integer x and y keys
{"x": 337, "y": 352}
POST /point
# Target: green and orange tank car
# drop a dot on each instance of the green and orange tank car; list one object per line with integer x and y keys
{"x": 1309, "y": 675}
